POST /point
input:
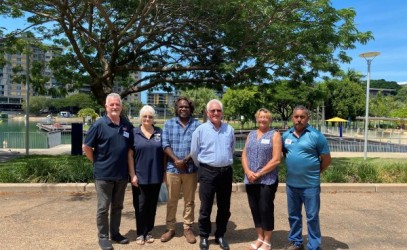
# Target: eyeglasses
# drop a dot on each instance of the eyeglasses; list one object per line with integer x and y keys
{"x": 215, "y": 110}
{"x": 148, "y": 116}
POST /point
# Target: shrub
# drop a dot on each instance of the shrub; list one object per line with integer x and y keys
{"x": 66, "y": 168}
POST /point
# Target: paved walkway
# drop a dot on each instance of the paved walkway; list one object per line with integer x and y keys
{"x": 358, "y": 218}
{"x": 53, "y": 220}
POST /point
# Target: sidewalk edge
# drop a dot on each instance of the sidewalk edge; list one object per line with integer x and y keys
{"x": 236, "y": 187}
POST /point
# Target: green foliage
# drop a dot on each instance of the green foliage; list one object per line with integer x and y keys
{"x": 186, "y": 44}
{"x": 383, "y": 84}
{"x": 46, "y": 169}
{"x": 74, "y": 102}
{"x": 402, "y": 95}
{"x": 241, "y": 104}
{"x": 344, "y": 98}
{"x": 357, "y": 170}
{"x": 88, "y": 112}
{"x": 37, "y": 104}
{"x": 80, "y": 100}
{"x": 400, "y": 113}
{"x": 65, "y": 169}
{"x": 382, "y": 106}
{"x": 200, "y": 97}
{"x": 132, "y": 108}
{"x": 350, "y": 170}
{"x": 281, "y": 97}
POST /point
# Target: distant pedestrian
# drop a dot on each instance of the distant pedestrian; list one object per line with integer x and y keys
{"x": 212, "y": 149}
{"x": 146, "y": 168}
{"x": 181, "y": 170}
{"x": 260, "y": 158}
{"x": 307, "y": 156}
{"x": 106, "y": 145}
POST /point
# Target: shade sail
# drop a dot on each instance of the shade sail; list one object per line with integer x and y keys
{"x": 336, "y": 119}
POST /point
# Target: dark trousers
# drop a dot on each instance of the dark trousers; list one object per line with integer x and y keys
{"x": 145, "y": 198}
{"x": 110, "y": 196}
{"x": 214, "y": 181}
{"x": 261, "y": 202}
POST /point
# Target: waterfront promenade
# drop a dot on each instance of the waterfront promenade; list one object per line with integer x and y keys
{"x": 58, "y": 216}
{"x": 66, "y": 220}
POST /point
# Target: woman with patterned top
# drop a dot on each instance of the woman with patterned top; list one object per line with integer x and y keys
{"x": 146, "y": 169}
{"x": 260, "y": 158}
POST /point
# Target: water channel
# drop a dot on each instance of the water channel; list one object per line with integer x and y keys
{"x": 12, "y": 134}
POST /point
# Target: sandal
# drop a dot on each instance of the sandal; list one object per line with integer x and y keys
{"x": 253, "y": 246}
{"x": 265, "y": 243}
{"x": 149, "y": 238}
{"x": 140, "y": 240}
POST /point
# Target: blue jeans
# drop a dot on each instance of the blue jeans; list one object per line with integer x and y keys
{"x": 310, "y": 197}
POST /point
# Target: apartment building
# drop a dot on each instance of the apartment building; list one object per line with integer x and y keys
{"x": 13, "y": 93}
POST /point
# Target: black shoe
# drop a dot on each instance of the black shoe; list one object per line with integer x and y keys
{"x": 105, "y": 244}
{"x": 222, "y": 243}
{"x": 120, "y": 239}
{"x": 204, "y": 244}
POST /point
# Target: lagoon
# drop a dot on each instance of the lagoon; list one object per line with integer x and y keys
{"x": 12, "y": 133}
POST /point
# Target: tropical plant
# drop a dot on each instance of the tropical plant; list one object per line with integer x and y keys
{"x": 188, "y": 43}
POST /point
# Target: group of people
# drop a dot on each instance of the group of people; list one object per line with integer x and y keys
{"x": 186, "y": 152}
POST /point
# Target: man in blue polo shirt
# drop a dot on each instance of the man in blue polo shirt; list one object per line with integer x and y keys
{"x": 307, "y": 156}
{"x": 106, "y": 145}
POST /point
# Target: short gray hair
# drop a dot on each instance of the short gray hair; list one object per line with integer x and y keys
{"x": 302, "y": 107}
{"x": 114, "y": 95}
{"x": 145, "y": 109}
{"x": 214, "y": 101}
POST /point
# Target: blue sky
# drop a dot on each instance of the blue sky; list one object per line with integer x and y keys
{"x": 387, "y": 21}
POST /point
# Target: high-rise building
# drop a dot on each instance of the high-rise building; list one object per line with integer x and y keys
{"x": 132, "y": 97}
{"x": 13, "y": 93}
{"x": 163, "y": 102}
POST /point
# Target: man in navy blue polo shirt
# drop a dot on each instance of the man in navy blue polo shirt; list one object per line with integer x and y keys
{"x": 307, "y": 156}
{"x": 106, "y": 145}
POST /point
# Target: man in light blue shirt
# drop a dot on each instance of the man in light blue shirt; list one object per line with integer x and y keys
{"x": 307, "y": 156}
{"x": 212, "y": 148}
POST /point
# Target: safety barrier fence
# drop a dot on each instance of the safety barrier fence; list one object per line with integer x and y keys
{"x": 337, "y": 144}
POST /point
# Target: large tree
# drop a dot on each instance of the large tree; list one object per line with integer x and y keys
{"x": 345, "y": 98}
{"x": 192, "y": 42}
{"x": 282, "y": 97}
{"x": 241, "y": 104}
{"x": 199, "y": 97}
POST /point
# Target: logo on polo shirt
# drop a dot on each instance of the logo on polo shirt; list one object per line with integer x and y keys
{"x": 157, "y": 137}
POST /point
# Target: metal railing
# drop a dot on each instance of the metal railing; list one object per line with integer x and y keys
{"x": 346, "y": 145}
{"x": 37, "y": 139}
{"x": 378, "y": 141}
{"x": 352, "y": 140}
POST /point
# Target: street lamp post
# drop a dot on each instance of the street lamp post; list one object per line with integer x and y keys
{"x": 27, "y": 108}
{"x": 369, "y": 56}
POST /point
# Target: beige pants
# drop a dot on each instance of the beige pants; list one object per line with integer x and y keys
{"x": 187, "y": 184}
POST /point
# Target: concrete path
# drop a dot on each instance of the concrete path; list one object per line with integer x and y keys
{"x": 353, "y": 216}
{"x": 52, "y": 220}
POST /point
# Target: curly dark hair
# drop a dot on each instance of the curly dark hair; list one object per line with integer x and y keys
{"x": 190, "y": 104}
